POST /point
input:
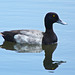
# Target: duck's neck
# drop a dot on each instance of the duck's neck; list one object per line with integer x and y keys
{"x": 49, "y": 27}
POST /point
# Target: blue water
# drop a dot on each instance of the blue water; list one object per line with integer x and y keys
{"x": 29, "y": 14}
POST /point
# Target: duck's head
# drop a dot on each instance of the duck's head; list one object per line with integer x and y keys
{"x": 51, "y": 18}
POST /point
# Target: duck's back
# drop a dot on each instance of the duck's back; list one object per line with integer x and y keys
{"x": 24, "y": 36}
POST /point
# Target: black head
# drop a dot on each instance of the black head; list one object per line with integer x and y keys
{"x": 51, "y": 17}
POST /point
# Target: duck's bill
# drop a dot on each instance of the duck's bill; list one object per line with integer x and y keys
{"x": 61, "y": 22}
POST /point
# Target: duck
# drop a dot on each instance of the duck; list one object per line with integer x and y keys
{"x": 38, "y": 37}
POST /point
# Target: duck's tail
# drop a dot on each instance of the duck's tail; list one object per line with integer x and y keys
{"x": 1, "y": 34}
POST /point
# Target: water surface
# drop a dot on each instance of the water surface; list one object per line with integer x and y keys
{"x": 57, "y": 59}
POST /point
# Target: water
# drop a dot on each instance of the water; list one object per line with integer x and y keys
{"x": 57, "y": 59}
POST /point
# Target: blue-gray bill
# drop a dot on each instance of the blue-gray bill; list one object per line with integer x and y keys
{"x": 61, "y": 22}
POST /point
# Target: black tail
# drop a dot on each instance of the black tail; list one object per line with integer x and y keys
{"x": 8, "y": 36}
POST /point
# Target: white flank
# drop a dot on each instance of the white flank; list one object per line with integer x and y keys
{"x": 30, "y": 37}
{"x": 32, "y": 33}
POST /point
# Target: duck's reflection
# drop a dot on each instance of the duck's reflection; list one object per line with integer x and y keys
{"x": 48, "y": 63}
{"x": 21, "y": 48}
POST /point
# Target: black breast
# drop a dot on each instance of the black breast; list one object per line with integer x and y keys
{"x": 49, "y": 38}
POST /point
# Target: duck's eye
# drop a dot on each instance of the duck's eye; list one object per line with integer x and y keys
{"x": 53, "y": 15}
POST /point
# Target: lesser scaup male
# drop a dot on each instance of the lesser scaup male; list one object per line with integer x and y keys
{"x": 35, "y": 36}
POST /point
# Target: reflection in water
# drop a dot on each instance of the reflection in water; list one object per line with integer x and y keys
{"x": 48, "y": 63}
{"x": 21, "y": 48}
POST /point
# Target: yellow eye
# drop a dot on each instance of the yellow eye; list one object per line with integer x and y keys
{"x": 53, "y": 15}
{"x": 52, "y": 68}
